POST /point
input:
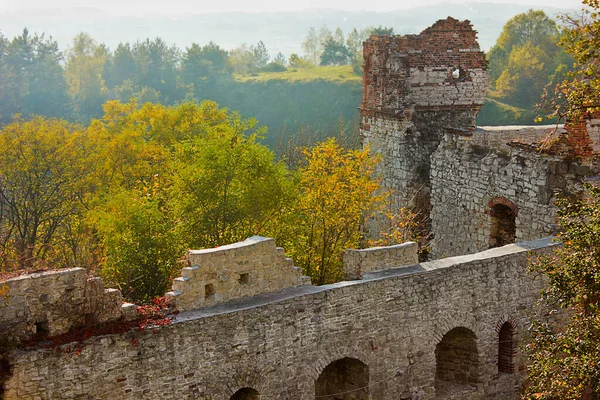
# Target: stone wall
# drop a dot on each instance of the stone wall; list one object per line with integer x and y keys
{"x": 360, "y": 262}
{"x": 242, "y": 269}
{"x": 52, "y": 303}
{"x": 469, "y": 179}
{"x": 279, "y": 344}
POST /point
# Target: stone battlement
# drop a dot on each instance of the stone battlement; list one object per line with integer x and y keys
{"x": 242, "y": 269}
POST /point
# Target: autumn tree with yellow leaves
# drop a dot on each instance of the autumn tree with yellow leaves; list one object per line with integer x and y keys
{"x": 337, "y": 188}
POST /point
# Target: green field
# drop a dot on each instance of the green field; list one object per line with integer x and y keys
{"x": 339, "y": 74}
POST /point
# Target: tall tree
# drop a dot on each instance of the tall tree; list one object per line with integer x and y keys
{"x": 84, "y": 69}
{"x": 43, "y": 168}
{"x": 121, "y": 66}
{"x": 31, "y": 77}
{"x": 311, "y": 46}
{"x": 158, "y": 65}
{"x": 337, "y": 189}
{"x": 335, "y": 53}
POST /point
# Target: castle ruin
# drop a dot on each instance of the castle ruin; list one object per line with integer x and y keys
{"x": 249, "y": 325}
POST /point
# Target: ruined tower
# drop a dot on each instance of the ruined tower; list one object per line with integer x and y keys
{"x": 416, "y": 89}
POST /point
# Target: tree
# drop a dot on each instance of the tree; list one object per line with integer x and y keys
{"x": 579, "y": 93}
{"x": 121, "y": 66}
{"x": 335, "y": 53}
{"x": 524, "y": 78}
{"x": 242, "y": 59}
{"x": 42, "y": 185}
{"x": 381, "y": 31}
{"x": 32, "y": 77}
{"x": 336, "y": 190}
{"x": 228, "y": 186}
{"x": 142, "y": 247}
{"x": 261, "y": 55}
{"x": 84, "y": 70}
{"x": 310, "y": 46}
{"x": 565, "y": 357}
{"x": 158, "y": 65}
{"x": 533, "y": 29}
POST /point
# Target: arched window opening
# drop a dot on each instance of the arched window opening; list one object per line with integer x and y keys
{"x": 245, "y": 394}
{"x": 503, "y": 227}
{"x": 344, "y": 379}
{"x": 507, "y": 349}
{"x": 456, "y": 361}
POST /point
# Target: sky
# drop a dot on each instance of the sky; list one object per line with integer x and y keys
{"x": 180, "y": 7}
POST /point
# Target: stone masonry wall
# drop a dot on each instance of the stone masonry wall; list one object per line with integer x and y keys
{"x": 468, "y": 178}
{"x": 237, "y": 270}
{"x": 52, "y": 303}
{"x": 279, "y": 343}
{"x": 416, "y": 88}
{"x": 359, "y": 262}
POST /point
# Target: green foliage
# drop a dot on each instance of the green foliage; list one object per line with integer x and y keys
{"x": 85, "y": 64}
{"x": 578, "y": 94}
{"x": 137, "y": 230}
{"x": 565, "y": 357}
{"x": 495, "y": 112}
{"x": 44, "y": 180}
{"x": 31, "y": 77}
{"x": 336, "y": 190}
{"x": 335, "y": 53}
{"x": 526, "y": 58}
{"x": 228, "y": 186}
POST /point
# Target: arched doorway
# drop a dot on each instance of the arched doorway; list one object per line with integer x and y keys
{"x": 456, "y": 361}
{"x": 507, "y": 348}
{"x": 503, "y": 228}
{"x": 344, "y": 379}
{"x": 245, "y": 394}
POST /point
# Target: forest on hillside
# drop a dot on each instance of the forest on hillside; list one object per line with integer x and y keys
{"x": 38, "y": 78}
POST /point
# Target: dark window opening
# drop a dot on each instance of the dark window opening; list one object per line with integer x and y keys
{"x": 42, "y": 330}
{"x": 209, "y": 290}
{"x": 244, "y": 279}
{"x": 503, "y": 227}
{"x": 507, "y": 349}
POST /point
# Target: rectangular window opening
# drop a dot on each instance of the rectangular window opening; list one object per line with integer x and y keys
{"x": 209, "y": 290}
{"x": 244, "y": 279}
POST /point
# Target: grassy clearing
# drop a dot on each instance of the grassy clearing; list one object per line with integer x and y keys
{"x": 340, "y": 74}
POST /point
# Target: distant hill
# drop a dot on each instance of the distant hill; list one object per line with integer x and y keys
{"x": 281, "y": 31}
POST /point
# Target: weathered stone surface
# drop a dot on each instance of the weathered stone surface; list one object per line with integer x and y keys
{"x": 279, "y": 343}
{"x": 242, "y": 269}
{"x": 55, "y": 302}
{"x": 359, "y": 262}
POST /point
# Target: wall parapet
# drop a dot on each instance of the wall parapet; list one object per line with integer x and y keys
{"x": 242, "y": 269}
{"x": 55, "y": 302}
{"x": 359, "y": 262}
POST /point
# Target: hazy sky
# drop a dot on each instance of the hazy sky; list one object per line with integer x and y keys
{"x": 174, "y": 7}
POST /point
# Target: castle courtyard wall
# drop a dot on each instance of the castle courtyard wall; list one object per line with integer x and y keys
{"x": 278, "y": 343}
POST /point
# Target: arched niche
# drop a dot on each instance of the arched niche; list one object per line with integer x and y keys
{"x": 246, "y": 394}
{"x": 456, "y": 361}
{"x": 343, "y": 379}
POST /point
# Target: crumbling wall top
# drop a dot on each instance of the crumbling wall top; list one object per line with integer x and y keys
{"x": 242, "y": 269}
{"x": 441, "y": 68}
